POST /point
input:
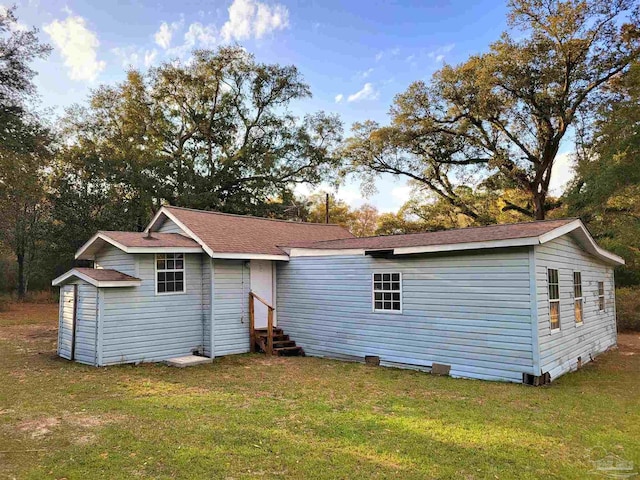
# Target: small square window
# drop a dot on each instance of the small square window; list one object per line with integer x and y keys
{"x": 387, "y": 292}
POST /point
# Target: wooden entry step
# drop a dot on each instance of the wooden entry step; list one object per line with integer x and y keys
{"x": 282, "y": 345}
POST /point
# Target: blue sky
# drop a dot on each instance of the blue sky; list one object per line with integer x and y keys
{"x": 355, "y": 55}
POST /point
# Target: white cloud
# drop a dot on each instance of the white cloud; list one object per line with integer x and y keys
{"x": 402, "y": 193}
{"x": 392, "y": 52}
{"x": 164, "y": 35}
{"x": 562, "y": 173}
{"x": 78, "y": 46}
{"x": 366, "y": 93}
{"x": 150, "y": 57}
{"x": 366, "y": 73}
{"x": 253, "y": 19}
{"x": 202, "y": 35}
{"x": 135, "y": 57}
{"x": 439, "y": 53}
{"x": 339, "y": 98}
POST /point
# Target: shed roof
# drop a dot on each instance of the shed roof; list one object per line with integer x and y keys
{"x": 98, "y": 277}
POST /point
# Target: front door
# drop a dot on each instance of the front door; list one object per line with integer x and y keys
{"x": 262, "y": 281}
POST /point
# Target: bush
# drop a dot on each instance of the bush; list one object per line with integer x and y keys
{"x": 5, "y": 300}
{"x": 628, "y": 309}
{"x": 42, "y": 296}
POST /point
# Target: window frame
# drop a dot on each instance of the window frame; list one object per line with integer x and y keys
{"x": 602, "y": 300}
{"x": 183, "y": 270}
{"x": 374, "y": 291}
{"x": 555, "y": 300}
{"x": 577, "y": 299}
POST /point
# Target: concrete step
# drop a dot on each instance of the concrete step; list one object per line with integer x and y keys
{"x": 188, "y": 361}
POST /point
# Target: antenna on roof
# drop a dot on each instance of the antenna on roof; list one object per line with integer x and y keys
{"x": 326, "y": 208}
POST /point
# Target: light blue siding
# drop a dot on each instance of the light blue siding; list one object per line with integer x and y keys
{"x": 65, "y": 321}
{"x": 231, "y": 287}
{"x": 86, "y": 324}
{"x": 471, "y": 311}
{"x": 206, "y": 302}
{"x": 559, "y": 350}
{"x": 169, "y": 226}
{"x": 111, "y": 257}
{"x": 138, "y": 325}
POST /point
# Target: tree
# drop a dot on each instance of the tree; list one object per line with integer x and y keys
{"x": 24, "y": 148}
{"x": 18, "y": 48}
{"x": 23, "y": 201}
{"x": 501, "y": 116}
{"x": 214, "y": 133}
{"x": 606, "y": 190}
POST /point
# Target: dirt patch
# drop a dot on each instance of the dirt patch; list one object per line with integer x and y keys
{"x": 629, "y": 343}
{"x": 39, "y": 427}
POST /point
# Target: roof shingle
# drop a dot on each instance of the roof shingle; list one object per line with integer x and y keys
{"x": 105, "y": 274}
{"x": 226, "y": 233}
{"x": 443, "y": 237}
{"x": 139, "y": 239}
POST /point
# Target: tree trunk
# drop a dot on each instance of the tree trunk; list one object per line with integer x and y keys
{"x": 22, "y": 285}
{"x": 539, "y": 199}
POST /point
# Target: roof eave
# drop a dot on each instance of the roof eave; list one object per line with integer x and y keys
{"x": 65, "y": 277}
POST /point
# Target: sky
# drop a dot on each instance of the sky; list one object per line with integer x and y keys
{"x": 356, "y": 55}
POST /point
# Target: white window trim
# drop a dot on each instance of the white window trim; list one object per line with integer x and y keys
{"x": 184, "y": 275}
{"x": 603, "y": 297}
{"x": 550, "y": 301}
{"x": 581, "y": 298}
{"x": 373, "y": 296}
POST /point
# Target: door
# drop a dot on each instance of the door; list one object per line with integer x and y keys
{"x": 67, "y": 324}
{"x": 262, "y": 284}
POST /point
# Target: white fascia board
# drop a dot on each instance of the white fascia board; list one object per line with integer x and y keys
{"x": 324, "y": 252}
{"x": 123, "y": 283}
{"x": 452, "y": 247}
{"x": 92, "y": 281}
{"x": 578, "y": 225}
{"x": 163, "y": 250}
{"x": 184, "y": 228}
{"x": 152, "y": 223}
{"x": 249, "y": 256}
{"x": 558, "y": 232}
{"x": 99, "y": 236}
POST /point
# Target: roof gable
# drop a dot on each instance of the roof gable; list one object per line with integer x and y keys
{"x": 98, "y": 277}
{"x": 227, "y": 236}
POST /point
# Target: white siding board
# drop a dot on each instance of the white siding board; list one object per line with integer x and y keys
{"x": 140, "y": 326}
{"x": 111, "y": 257}
{"x": 471, "y": 311}
{"x": 559, "y": 351}
{"x": 169, "y": 226}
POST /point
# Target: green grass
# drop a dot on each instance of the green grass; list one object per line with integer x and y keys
{"x": 254, "y": 417}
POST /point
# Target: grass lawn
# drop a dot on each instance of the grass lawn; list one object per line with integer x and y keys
{"x": 255, "y": 417}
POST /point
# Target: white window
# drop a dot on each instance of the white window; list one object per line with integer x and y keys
{"x": 170, "y": 273}
{"x": 601, "y": 302}
{"x": 554, "y": 298}
{"x": 387, "y": 292}
{"x": 577, "y": 297}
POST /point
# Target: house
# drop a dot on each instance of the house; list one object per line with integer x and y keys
{"x": 523, "y": 302}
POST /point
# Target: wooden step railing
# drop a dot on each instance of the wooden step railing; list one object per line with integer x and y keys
{"x": 252, "y": 323}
